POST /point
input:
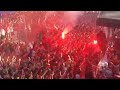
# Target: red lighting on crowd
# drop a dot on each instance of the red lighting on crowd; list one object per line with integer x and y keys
{"x": 51, "y": 45}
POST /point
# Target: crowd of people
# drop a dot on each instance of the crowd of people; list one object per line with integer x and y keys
{"x": 49, "y": 56}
